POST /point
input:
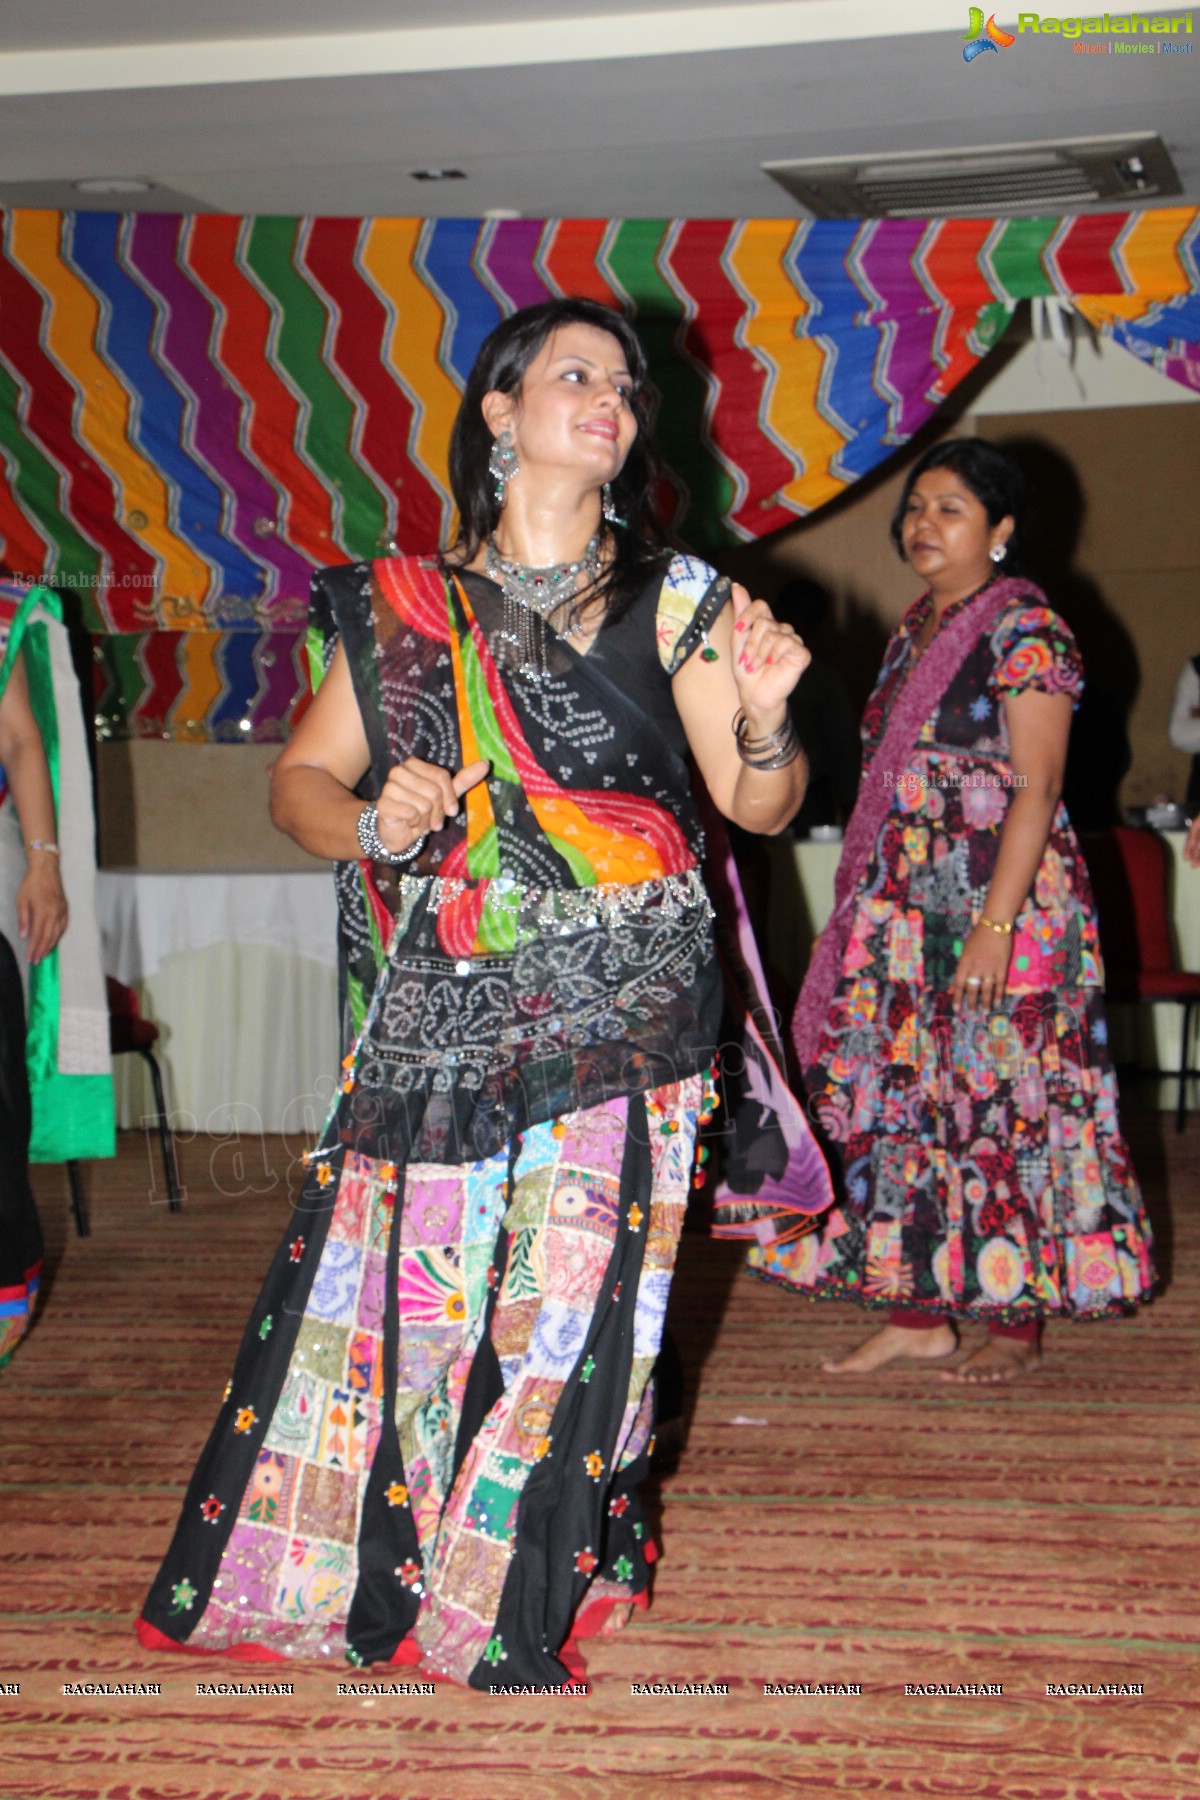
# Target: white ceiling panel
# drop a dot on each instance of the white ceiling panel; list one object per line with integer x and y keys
{"x": 679, "y": 135}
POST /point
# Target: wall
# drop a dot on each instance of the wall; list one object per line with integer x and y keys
{"x": 1112, "y": 450}
{"x": 189, "y": 806}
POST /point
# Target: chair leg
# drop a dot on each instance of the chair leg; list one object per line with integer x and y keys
{"x": 164, "y": 1134}
{"x": 1181, "y": 1106}
{"x": 82, "y": 1228}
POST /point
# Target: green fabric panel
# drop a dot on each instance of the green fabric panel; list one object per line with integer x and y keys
{"x": 1017, "y": 258}
{"x": 328, "y": 429}
{"x": 41, "y": 1032}
{"x": 74, "y": 1119}
{"x": 993, "y": 321}
{"x": 632, "y": 260}
{"x": 120, "y": 652}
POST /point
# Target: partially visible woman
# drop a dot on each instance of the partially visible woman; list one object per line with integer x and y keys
{"x": 431, "y": 1445}
{"x": 66, "y": 1005}
{"x": 42, "y": 918}
{"x": 951, "y": 1023}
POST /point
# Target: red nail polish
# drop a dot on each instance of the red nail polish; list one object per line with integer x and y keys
{"x": 740, "y": 626}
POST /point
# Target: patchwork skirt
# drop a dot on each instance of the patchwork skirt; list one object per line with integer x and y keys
{"x": 432, "y": 1438}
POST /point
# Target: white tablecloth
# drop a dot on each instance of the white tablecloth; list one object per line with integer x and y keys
{"x": 239, "y": 973}
{"x": 801, "y": 900}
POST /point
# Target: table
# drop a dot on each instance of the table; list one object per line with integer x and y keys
{"x": 801, "y": 900}
{"x": 239, "y": 972}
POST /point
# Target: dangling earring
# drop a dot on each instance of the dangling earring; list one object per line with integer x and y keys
{"x": 503, "y": 464}
{"x": 608, "y": 505}
{"x": 998, "y": 552}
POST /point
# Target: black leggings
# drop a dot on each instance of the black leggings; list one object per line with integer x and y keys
{"x": 20, "y": 1232}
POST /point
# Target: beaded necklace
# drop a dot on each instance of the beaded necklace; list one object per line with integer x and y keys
{"x": 531, "y": 597}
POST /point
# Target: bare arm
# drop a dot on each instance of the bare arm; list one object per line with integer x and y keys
{"x": 758, "y": 664}
{"x": 1038, "y": 728}
{"x": 41, "y": 903}
{"x": 312, "y": 783}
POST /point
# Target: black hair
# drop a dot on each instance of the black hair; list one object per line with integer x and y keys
{"x": 638, "y": 542}
{"x": 992, "y": 476}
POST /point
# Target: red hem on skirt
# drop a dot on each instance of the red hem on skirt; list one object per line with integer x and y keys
{"x": 406, "y": 1655}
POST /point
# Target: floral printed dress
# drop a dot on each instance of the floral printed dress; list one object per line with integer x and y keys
{"x": 984, "y": 1169}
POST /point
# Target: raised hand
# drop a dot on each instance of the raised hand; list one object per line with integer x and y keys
{"x": 768, "y": 657}
{"x": 418, "y": 797}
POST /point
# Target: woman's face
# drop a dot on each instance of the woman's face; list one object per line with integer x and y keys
{"x": 946, "y": 534}
{"x": 573, "y": 411}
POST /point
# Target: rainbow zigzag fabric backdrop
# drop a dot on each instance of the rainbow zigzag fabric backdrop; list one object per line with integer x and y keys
{"x": 195, "y": 411}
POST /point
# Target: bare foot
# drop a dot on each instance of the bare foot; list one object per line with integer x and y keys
{"x": 894, "y": 1343}
{"x": 616, "y": 1621}
{"x": 999, "y": 1359}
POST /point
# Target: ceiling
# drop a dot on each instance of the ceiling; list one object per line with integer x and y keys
{"x": 550, "y": 108}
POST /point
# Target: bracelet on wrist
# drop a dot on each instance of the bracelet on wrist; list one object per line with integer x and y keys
{"x": 772, "y": 750}
{"x": 373, "y": 846}
{"x": 1003, "y": 926}
{"x": 43, "y": 844}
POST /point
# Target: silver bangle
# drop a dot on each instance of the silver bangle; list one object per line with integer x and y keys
{"x": 373, "y": 846}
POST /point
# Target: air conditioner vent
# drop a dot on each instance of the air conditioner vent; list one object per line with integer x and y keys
{"x": 999, "y": 178}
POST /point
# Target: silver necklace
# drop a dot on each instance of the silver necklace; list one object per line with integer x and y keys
{"x": 531, "y": 597}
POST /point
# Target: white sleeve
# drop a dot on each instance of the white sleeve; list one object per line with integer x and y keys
{"x": 1184, "y": 728}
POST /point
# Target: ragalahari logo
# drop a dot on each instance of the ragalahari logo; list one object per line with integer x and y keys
{"x": 983, "y": 37}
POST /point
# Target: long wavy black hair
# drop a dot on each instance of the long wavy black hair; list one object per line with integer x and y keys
{"x": 637, "y": 544}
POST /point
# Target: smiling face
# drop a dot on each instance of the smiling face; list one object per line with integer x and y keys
{"x": 572, "y": 412}
{"x": 947, "y": 536}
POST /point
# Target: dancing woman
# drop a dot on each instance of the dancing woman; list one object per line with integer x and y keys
{"x": 431, "y": 1443}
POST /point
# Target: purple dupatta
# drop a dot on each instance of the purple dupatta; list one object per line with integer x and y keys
{"x": 935, "y": 670}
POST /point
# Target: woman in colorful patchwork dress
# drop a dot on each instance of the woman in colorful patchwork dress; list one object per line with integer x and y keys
{"x": 951, "y": 1024}
{"x": 430, "y": 1447}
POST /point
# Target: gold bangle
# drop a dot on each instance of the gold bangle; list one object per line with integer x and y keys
{"x": 1004, "y": 927}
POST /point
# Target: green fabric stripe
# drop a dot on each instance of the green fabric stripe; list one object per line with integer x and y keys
{"x": 36, "y": 481}
{"x": 581, "y": 868}
{"x": 329, "y": 426}
{"x": 497, "y": 931}
{"x": 1017, "y": 257}
{"x": 41, "y": 1033}
{"x": 74, "y": 1117}
{"x": 119, "y": 650}
{"x": 993, "y": 321}
{"x": 314, "y": 647}
{"x": 488, "y": 737}
{"x": 679, "y": 426}
{"x": 483, "y": 858}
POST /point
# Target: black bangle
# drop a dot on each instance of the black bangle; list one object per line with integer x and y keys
{"x": 775, "y": 750}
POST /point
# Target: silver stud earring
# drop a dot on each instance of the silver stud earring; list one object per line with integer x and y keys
{"x": 998, "y": 552}
{"x": 503, "y": 464}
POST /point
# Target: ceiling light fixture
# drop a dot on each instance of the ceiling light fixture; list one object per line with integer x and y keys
{"x": 437, "y": 174}
{"x": 113, "y": 184}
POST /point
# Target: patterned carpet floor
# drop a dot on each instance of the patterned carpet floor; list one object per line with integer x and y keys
{"x": 892, "y": 1532}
